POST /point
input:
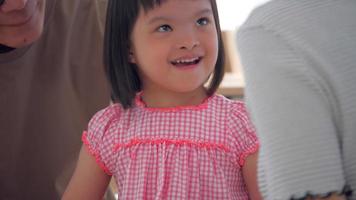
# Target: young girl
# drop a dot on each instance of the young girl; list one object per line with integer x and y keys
{"x": 167, "y": 137}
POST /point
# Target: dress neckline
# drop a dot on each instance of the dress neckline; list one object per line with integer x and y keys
{"x": 203, "y": 105}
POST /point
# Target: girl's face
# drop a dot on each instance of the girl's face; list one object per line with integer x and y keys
{"x": 175, "y": 46}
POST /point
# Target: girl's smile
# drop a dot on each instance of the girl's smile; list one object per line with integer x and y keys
{"x": 187, "y": 62}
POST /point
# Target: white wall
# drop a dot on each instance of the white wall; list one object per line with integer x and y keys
{"x": 234, "y": 12}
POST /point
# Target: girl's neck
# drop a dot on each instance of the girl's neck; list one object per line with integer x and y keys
{"x": 173, "y": 99}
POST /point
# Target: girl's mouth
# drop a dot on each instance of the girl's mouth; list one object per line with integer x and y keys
{"x": 186, "y": 62}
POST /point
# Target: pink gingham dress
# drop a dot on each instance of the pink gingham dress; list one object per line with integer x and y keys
{"x": 193, "y": 152}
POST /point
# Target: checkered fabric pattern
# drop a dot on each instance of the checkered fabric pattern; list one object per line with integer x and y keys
{"x": 192, "y": 152}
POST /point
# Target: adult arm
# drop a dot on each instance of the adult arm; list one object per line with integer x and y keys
{"x": 292, "y": 110}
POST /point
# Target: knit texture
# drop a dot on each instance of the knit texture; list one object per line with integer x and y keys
{"x": 299, "y": 61}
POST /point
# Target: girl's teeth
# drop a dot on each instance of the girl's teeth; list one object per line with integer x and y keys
{"x": 186, "y": 61}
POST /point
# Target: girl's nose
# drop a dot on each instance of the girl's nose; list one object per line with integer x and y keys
{"x": 13, "y": 5}
{"x": 188, "y": 40}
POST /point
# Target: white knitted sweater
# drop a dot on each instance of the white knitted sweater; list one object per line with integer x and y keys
{"x": 299, "y": 59}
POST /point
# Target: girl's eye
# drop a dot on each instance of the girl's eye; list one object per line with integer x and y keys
{"x": 203, "y": 21}
{"x": 164, "y": 28}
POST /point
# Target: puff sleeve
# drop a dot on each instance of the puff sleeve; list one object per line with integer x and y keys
{"x": 100, "y": 137}
{"x": 242, "y": 132}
